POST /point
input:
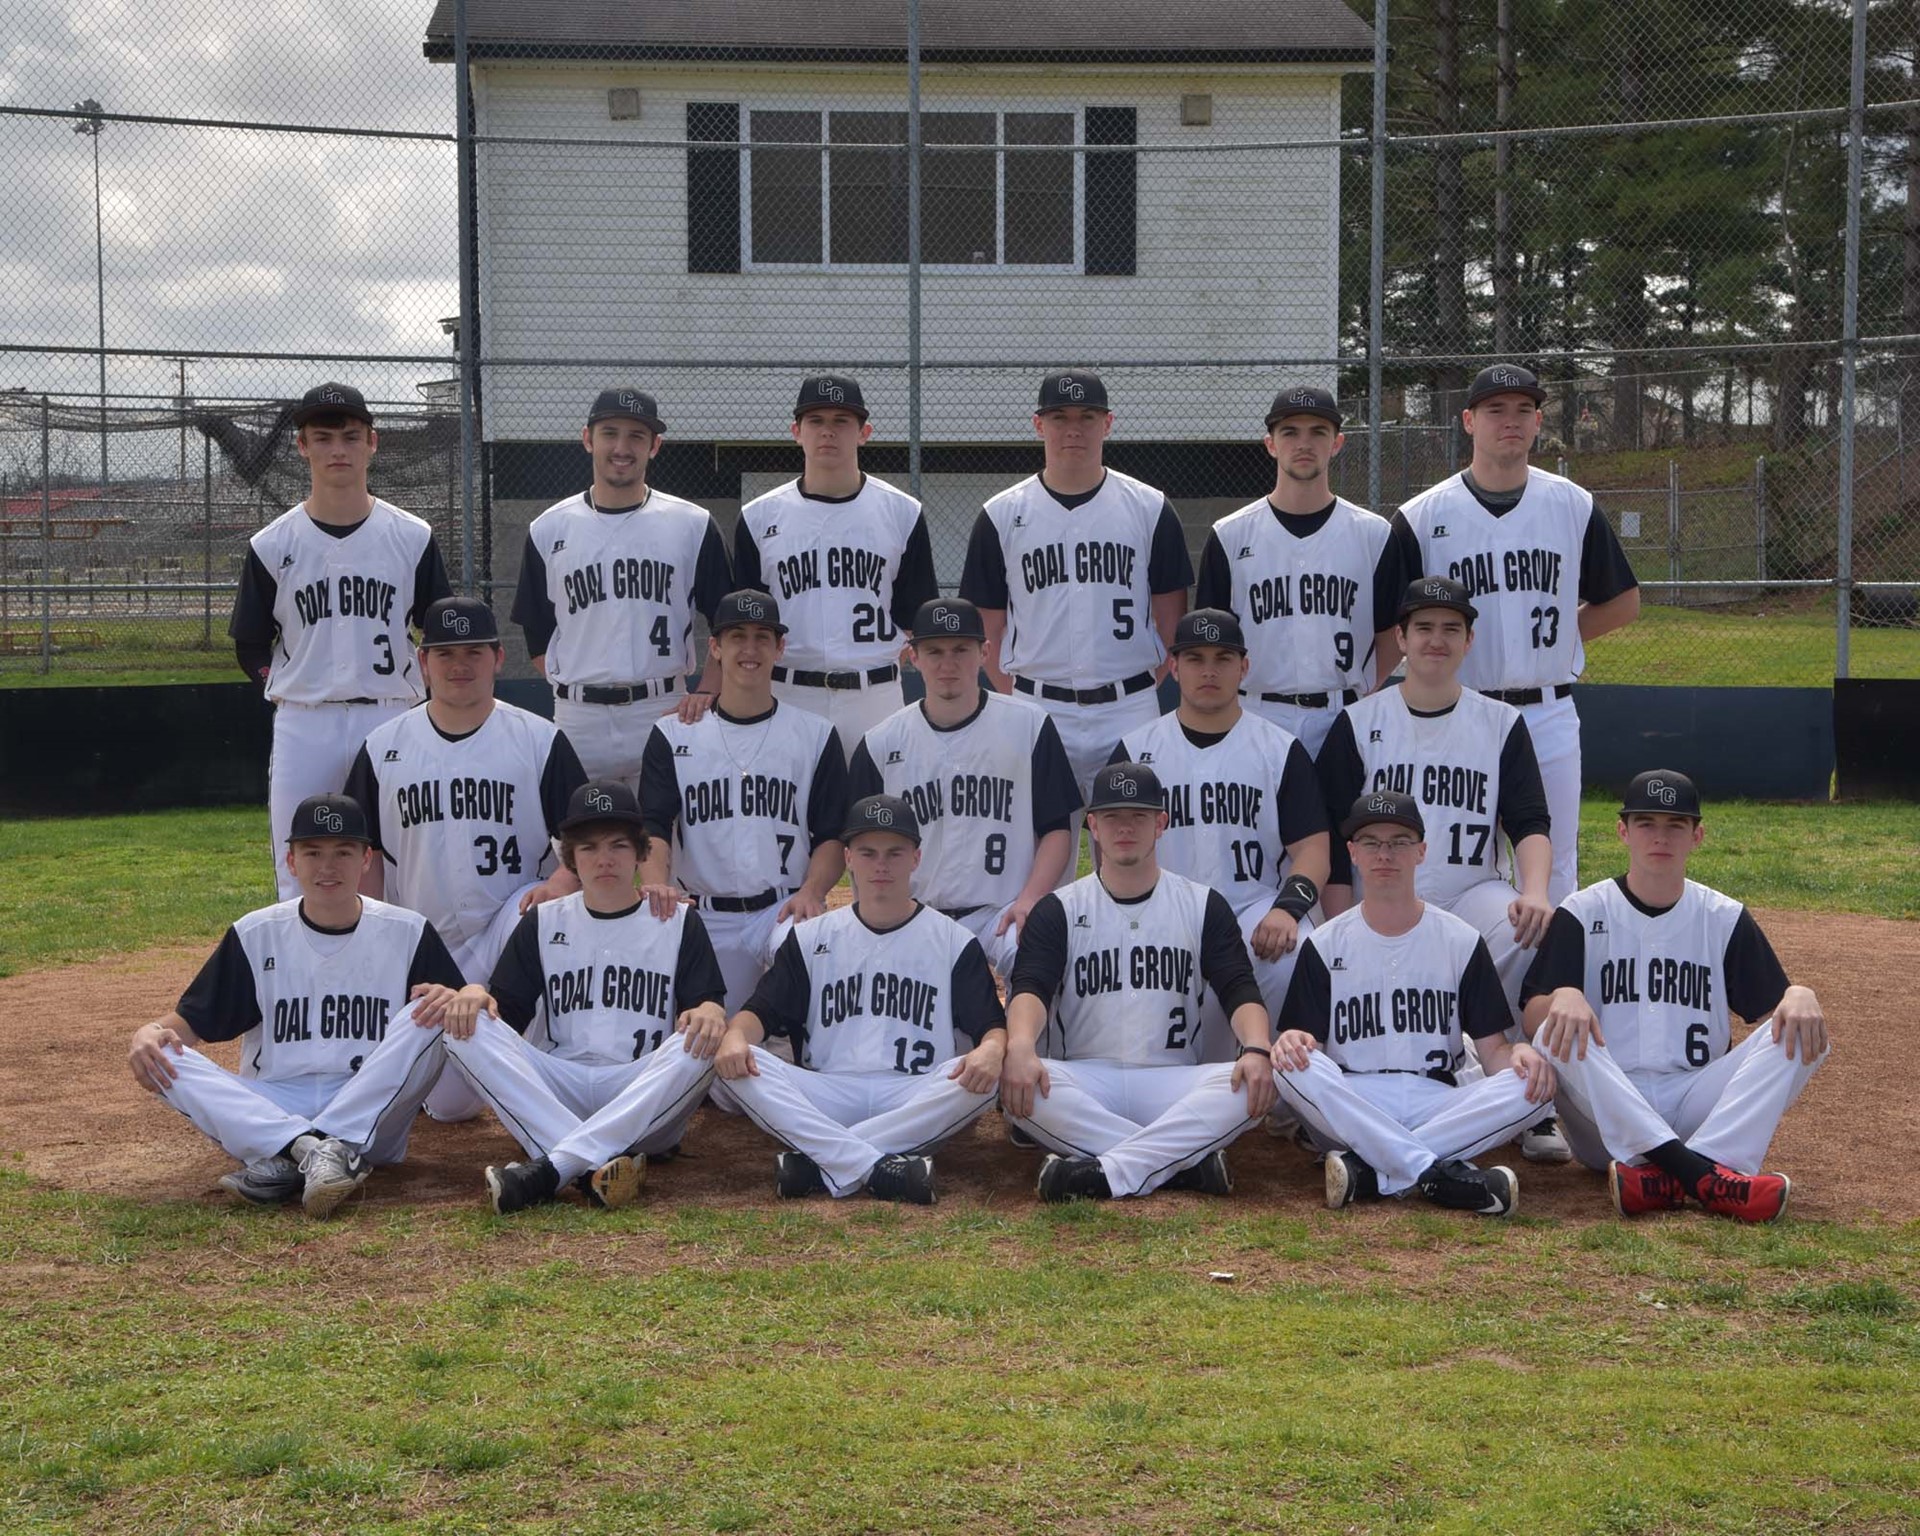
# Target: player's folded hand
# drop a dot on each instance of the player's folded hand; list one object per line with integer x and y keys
{"x": 1275, "y": 935}
{"x": 1293, "y": 1050}
{"x": 1799, "y": 1022}
{"x": 979, "y": 1070}
{"x": 705, "y": 1026}
{"x": 1536, "y": 1072}
{"x": 1254, "y": 1072}
{"x": 734, "y": 1059}
{"x": 1023, "y": 1075}
{"x": 148, "y": 1056}
{"x": 1530, "y": 916}
{"x": 1568, "y": 1026}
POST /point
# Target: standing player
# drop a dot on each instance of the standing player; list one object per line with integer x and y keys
{"x": 1123, "y": 959}
{"x": 1631, "y": 995}
{"x": 609, "y": 583}
{"x": 1304, "y": 573}
{"x": 315, "y": 990}
{"x": 744, "y": 806}
{"x": 874, "y": 997}
{"x": 1374, "y": 1030}
{"x": 1079, "y": 573}
{"x": 1546, "y": 569}
{"x": 1244, "y": 813}
{"x": 989, "y": 782}
{"x": 849, "y": 559}
{"x": 325, "y": 599}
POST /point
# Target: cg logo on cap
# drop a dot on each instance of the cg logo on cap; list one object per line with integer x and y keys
{"x": 600, "y": 800}
{"x": 752, "y": 609}
{"x": 332, "y": 397}
{"x": 1380, "y": 803}
{"x": 945, "y": 618}
{"x": 329, "y": 821}
{"x": 459, "y": 623}
{"x": 1433, "y": 589}
{"x": 832, "y": 392}
{"x": 1127, "y": 788}
{"x": 880, "y": 816}
{"x": 1661, "y": 790}
{"x": 1505, "y": 376}
{"x": 1072, "y": 388}
{"x": 1206, "y": 629}
{"x": 1300, "y": 397}
{"x": 627, "y": 402}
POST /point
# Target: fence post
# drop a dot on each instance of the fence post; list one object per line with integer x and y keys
{"x": 463, "y": 164}
{"x": 206, "y": 539}
{"x": 1850, "y": 340}
{"x": 1673, "y": 521}
{"x": 1562, "y": 470}
{"x": 1760, "y": 516}
{"x": 46, "y": 535}
{"x": 913, "y": 247}
{"x": 1377, "y": 259}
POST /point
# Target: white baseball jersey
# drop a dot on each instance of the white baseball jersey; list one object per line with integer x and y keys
{"x": 745, "y": 801}
{"x": 985, "y": 792}
{"x": 849, "y": 572}
{"x": 340, "y": 605}
{"x": 1400, "y": 1004}
{"x": 609, "y": 597}
{"x": 853, "y": 999}
{"x": 1076, "y": 577}
{"x": 464, "y": 822}
{"x": 1308, "y": 606}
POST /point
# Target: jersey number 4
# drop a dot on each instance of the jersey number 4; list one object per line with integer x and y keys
{"x": 491, "y": 855}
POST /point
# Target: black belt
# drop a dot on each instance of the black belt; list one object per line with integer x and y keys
{"x": 758, "y": 903}
{"x": 1105, "y": 694}
{"x": 1528, "y": 695}
{"x": 359, "y": 701}
{"x": 1438, "y": 1074}
{"x": 956, "y": 913}
{"x": 840, "y": 680}
{"x": 615, "y": 693}
{"x": 1309, "y": 700}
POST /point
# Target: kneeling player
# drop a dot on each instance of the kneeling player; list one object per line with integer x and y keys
{"x": 1374, "y": 1031}
{"x": 1648, "y": 1080}
{"x": 1125, "y": 958}
{"x": 315, "y": 990}
{"x": 628, "y": 1012}
{"x": 872, "y": 996}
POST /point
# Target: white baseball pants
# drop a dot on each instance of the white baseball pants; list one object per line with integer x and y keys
{"x": 1554, "y": 725}
{"x": 610, "y": 738}
{"x": 1310, "y": 725}
{"x": 853, "y": 711}
{"x": 1217, "y": 1039}
{"x": 1090, "y": 732}
{"x": 744, "y": 944}
{"x": 998, "y": 950}
{"x": 314, "y": 746}
{"x": 1484, "y": 907}
{"x": 452, "y": 1098}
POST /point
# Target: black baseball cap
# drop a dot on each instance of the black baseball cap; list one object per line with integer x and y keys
{"x": 1070, "y": 389}
{"x": 948, "y": 618}
{"x": 882, "y": 813}
{"x": 331, "y": 400}
{"x": 1435, "y": 592}
{"x": 1383, "y": 805}
{"x": 1305, "y": 400}
{"x": 1207, "y": 626}
{"x": 1663, "y": 792}
{"x": 1126, "y": 787}
{"x": 459, "y": 621}
{"x": 1504, "y": 379}
{"x": 738, "y": 608}
{"x": 601, "y": 800}
{"x": 329, "y": 816}
{"x": 627, "y": 405}
{"x": 829, "y": 392}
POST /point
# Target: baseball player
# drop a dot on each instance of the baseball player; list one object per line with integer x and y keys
{"x": 1122, "y": 959}
{"x": 594, "y": 1040}
{"x": 1544, "y": 567}
{"x": 609, "y": 583}
{"x": 1631, "y": 997}
{"x": 744, "y": 806}
{"x": 1079, "y": 573}
{"x": 326, "y": 595}
{"x": 849, "y": 559}
{"x": 989, "y": 782}
{"x": 875, "y": 998}
{"x": 315, "y": 989}
{"x": 1244, "y": 813}
{"x": 1304, "y": 573}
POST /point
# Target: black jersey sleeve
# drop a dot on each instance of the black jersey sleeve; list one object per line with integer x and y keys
{"x": 1214, "y": 587}
{"x": 983, "y": 578}
{"x": 1309, "y": 1001}
{"x": 863, "y": 778}
{"x": 433, "y": 961}
{"x": 781, "y": 998}
{"x": 364, "y": 790}
{"x": 696, "y": 974}
{"x": 659, "y": 786}
{"x": 560, "y": 776}
{"x": 976, "y": 1000}
{"x": 1522, "y": 808}
{"x": 1169, "y": 566}
{"x": 1560, "y": 961}
{"x": 1484, "y": 1010}
{"x": 221, "y": 1003}
{"x": 1755, "y": 979}
{"x": 430, "y": 583}
{"x": 1303, "y": 809}
{"x": 1224, "y": 963}
{"x": 519, "y": 979}
{"x": 1342, "y": 775}
{"x": 252, "y": 625}
{"x": 914, "y": 582}
{"x": 746, "y": 560}
{"x": 712, "y": 572}
{"x": 1056, "y": 792}
{"x": 1041, "y": 962}
{"x": 827, "y": 796}
{"x": 533, "y": 607}
{"x": 1604, "y": 570}
{"x": 1400, "y": 563}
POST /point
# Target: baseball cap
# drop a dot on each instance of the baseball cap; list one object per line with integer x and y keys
{"x": 1663, "y": 792}
{"x": 459, "y": 621}
{"x": 331, "y": 400}
{"x": 1126, "y": 787}
{"x": 600, "y": 800}
{"x": 829, "y": 391}
{"x": 882, "y": 813}
{"x": 1071, "y": 388}
{"x": 1383, "y": 805}
{"x": 1305, "y": 400}
{"x": 627, "y": 405}
{"x": 1436, "y": 592}
{"x": 328, "y": 816}
{"x": 1504, "y": 379}
{"x": 1207, "y": 626}
{"x": 738, "y": 608}
{"x": 948, "y": 618}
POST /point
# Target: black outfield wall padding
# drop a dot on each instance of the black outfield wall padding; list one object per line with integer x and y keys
{"x": 1735, "y": 743}
{"x": 1876, "y": 729}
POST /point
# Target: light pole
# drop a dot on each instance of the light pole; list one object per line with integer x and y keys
{"x": 91, "y": 125}
{"x": 180, "y": 404}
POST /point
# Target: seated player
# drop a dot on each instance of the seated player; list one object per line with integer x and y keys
{"x": 1374, "y": 1033}
{"x": 594, "y": 1044}
{"x": 315, "y": 990}
{"x": 987, "y": 778}
{"x": 874, "y": 997}
{"x": 1630, "y": 997}
{"x": 1123, "y": 959}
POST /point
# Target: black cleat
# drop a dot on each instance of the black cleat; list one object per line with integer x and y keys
{"x": 1459, "y": 1186}
{"x": 904, "y": 1177}
{"x": 1349, "y": 1178}
{"x": 795, "y": 1176}
{"x": 1209, "y": 1176}
{"x": 519, "y": 1185}
{"x": 1072, "y": 1178}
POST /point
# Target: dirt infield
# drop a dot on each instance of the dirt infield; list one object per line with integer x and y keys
{"x": 70, "y": 1111}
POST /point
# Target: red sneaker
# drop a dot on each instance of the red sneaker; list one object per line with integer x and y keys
{"x": 1637, "y": 1190}
{"x": 1744, "y": 1197}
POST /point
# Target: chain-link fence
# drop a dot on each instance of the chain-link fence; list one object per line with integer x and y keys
{"x": 1694, "y": 220}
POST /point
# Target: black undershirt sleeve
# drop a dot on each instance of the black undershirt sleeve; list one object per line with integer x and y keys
{"x": 746, "y": 561}
{"x": 659, "y": 786}
{"x": 252, "y": 625}
{"x": 976, "y": 1000}
{"x": 863, "y": 778}
{"x": 562, "y": 774}
{"x": 1755, "y": 979}
{"x": 1303, "y": 809}
{"x": 1342, "y": 775}
{"x": 1400, "y": 564}
{"x": 532, "y": 605}
{"x": 696, "y": 974}
{"x": 1522, "y": 809}
{"x": 433, "y": 961}
{"x": 1169, "y": 566}
{"x": 712, "y": 573}
{"x": 220, "y": 1003}
{"x": 1224, "y": 963}
{"x": 1483, "y": 1001}
{"x": 1214, "y": 589}
{"x": 430, "y": 583}
{"x": 827, "y": 796}
{"x": 780, "y": 999}
{"x": 1056, "y": 792}
{"x": 519, "y": 980}
{"x": 913, "y": 582}
{"x": 1604, "y": 570}
{"x": 1309, "y": 1001}
{"x": 364, "y": 790}
{"x": 983, "y": 579}
{"x": 1041, "y": 963}
{"x": 1560, "y": 961}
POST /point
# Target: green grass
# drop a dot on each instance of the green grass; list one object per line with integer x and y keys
{"x": 1784, "y": 644}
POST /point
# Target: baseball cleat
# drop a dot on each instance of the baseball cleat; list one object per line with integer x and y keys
{"x": 1072, "y": 1178}
{"x": 519, "y": 1185}
{"x": 614, "y": 1183}
{"x": 1209, "y": 1176}
{"x": 1282, "y": 1124}
{"x": 1744, "y": 1196}
{"x": 330, "y": 1172}
{"x": 270, "y": 1181}
{"x": 1349, "y": 1178}
{"x": 1544, "y": 1143}
{"x": 795, "y": 1176}
{"x": 902, "y": 1177}
{"x": 1455, "y": 1185}
{"x": 1640, "y": 1188}
{"x": 1019, "y": 1138}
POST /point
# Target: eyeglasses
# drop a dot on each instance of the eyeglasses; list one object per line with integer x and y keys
{"x": 1393, "y": 845}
